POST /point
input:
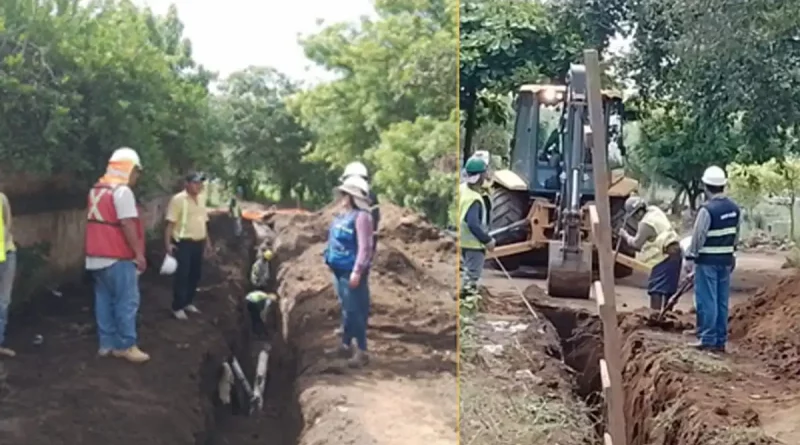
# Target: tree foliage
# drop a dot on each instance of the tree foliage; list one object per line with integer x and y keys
{"x": 777, "y": 178}
{"x": 392, "y": 103}
{"x": 78, "y": 81}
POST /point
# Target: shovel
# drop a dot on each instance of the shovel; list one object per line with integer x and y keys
{"x": 685, "y": 286}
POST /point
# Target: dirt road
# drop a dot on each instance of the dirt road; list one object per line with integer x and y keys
{"x": 753, "y": 271}
{"x": 60, "y": 393}
{"x": 674, "y": 394}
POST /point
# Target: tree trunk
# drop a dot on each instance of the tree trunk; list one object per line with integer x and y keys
{"x": 469, "y": 125}
{"x": 675, "y": 206}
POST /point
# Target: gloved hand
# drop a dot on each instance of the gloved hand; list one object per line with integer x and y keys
{"x": 491, "y": 245}
{"x": 688, "y": 266}
{"x": 733, "y": 263}
{"x": 622, "y": 233}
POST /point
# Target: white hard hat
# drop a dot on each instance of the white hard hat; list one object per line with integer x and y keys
{"x": 169, "y": 265}
{"x": 126, "y": 154}
{"x": 355, "y": 186}
{"x": 355, "y": 169}
{"x": 634, "y": 203}
{"x": 714, "y": 176}
{"x": 483, "y": 155}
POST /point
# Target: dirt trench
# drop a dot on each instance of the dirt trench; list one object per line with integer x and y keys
{"x": 675, "y": 395}
{"x": 58, "y": 392}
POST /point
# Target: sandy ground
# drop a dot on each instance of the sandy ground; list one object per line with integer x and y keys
{"x": 753, "y": 271}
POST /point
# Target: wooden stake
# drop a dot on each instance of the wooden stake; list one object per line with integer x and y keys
{"x": 602, "y": 236}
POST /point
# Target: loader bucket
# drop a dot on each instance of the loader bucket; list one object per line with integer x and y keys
{"x": 569, "y": 273}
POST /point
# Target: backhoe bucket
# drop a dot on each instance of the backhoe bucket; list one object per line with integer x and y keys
{"x": 569, "y": 274}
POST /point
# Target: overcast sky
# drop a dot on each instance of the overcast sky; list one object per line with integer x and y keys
{"x": 229, "y": 35}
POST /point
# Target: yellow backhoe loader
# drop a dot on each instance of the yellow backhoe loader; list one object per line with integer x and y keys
{"x": 539, "y": 213}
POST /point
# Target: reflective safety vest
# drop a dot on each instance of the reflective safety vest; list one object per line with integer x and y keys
{"x": 257, "y": 296}
{"x": 466, "y": 198}
{"x": 652, "y": 252}
{"x": 720, "y": 241}
{"x": 104, "y": 235}
{"x": 342, "y": 248}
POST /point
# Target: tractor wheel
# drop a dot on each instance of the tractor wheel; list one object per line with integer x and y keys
{"x": 509, "y": 207}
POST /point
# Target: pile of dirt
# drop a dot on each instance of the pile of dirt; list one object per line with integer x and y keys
{"x": 768, "y": 325}
{"x": 399, "y": 397}
{"x": 517, "y": 388}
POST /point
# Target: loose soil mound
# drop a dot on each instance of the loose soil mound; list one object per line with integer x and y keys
{"x": 407, "y": 394}
{"x": 768, "y": 325}
{"x": 516, "y": 390}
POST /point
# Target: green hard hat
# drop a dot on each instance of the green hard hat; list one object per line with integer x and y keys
{"x": 475, "y": 166}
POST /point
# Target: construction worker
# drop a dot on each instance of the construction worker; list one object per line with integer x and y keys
{"x": 485, "y": 189}
{"x": 658, "y": 246}
{"x": 710, "y": 257}
{"x": 348, "y": 255}
{"x": 360, "y": 170}
{"x": 8, "y": 270}
{"x": 473, "y": 217}
{"x": 260, "y": 300}
{"x": 235, "y": 210}
{"x": 115, "y": 255}
{"x": 186, "y": 238}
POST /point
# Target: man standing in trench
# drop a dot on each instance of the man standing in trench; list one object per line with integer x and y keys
{"x": 711, "y": 257}
{"x": 8, "y": 270}
{"x": 186, "y": 238}
{"x": 115, "y": 256}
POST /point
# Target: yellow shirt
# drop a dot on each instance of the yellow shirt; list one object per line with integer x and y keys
{"x": 8, "y": 237}
{"x": 189, "y": 216}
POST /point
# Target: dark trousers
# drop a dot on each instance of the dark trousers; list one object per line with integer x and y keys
{"x": 255, "y": 309}
{"x": 190, "y": 267}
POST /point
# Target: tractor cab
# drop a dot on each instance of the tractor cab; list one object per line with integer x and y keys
{"x": 541, "y": 131}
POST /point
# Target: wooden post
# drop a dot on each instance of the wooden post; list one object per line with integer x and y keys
{"x": 601, "y": 228}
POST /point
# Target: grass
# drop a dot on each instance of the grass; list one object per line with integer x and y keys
{"x": 691, "y": 361}
{"x": 740, "y": 436}
{"x": 493, "y": 415}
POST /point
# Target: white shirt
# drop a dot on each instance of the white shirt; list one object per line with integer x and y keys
{"x": 125, "y": 204}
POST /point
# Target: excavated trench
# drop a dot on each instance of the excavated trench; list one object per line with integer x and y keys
{"x": 281, "y": 420}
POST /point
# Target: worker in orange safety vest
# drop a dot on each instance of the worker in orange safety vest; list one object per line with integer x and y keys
{"x": 115, "y": 256}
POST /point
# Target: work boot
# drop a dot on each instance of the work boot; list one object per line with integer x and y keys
{"x": 359, "y": 359}
{"x": 656, "y": 302}
{"x": 341, "y": 351}
{"x": 6, "y": 352}
{"x": 338, "y": 331}
{"x": 180, "y": 315}
{"x": 192, "y": 308}
{"x": 132, "y": 354}
{"x": 103, "y": 352}
{"x": 700, "y": 346}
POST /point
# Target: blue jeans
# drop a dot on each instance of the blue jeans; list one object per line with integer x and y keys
{"x": 355, "y": 308}
{"x": 116, "y": 304}
{"x": 712, "y": 286}
{"x": 8, "y": 269}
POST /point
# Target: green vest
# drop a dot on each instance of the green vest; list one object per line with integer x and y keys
{"x": 652, "y": 252}
{"x": 466, "y": 198}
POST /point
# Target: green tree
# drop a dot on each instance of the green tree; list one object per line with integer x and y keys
{"x": 266, "y": 143}
{"x": 78, "y": 81}
{"x": 396, "y": 77}
{"x": 674, "y": 147}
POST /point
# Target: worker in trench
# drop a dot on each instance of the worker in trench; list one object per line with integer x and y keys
{"x": 186, "y": 238}
{"x": 8, "y": 270}
{"x": 658, "y": 246}
{"x": 711, "y": 257}
{"x": 115, "y": 246}
{"x": 261, "y": 299}
{"x": 348, "y": 254}
{"x": 473, "y": 216}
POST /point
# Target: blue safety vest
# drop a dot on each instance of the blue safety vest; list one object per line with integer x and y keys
{"x": 721, "y": 238}
{"x": 342, "y": 248}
